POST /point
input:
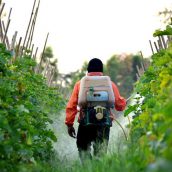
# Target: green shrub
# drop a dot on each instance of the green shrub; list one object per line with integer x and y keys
{"x": 25, "y": 105}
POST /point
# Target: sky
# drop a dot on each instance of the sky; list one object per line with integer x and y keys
{"x": 84, "y": 29}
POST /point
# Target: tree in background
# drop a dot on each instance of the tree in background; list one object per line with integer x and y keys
{"x": 166, "y": 15}
{"x": 112, "y": 67}
{"x": 48, "y": 53}
{"x": 49, "y": 62}
{"x": 122, "y": 71}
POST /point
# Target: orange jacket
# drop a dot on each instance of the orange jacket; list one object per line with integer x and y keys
{"x": 71, "y": 109}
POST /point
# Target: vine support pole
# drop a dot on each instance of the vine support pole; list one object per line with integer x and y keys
{"x": 33, "y": 24}
{"x": 18, "y": 48}
{"x": 151, "y": 46}
{"x": 2, "y": 8}
{"x": 42, "y": 55}
{"x": 13, "y": 41}
{"x": 156, "y": 47}
{"x": 34, "y": 56}
{"x": 143, "y": 65}
{"x": 5, "y": 34}
{"x": 32, "y": 27}
{"x": 163, "y": 41}
{"x": 28, "y": 27}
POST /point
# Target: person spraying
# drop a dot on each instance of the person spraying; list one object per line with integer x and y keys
{"x": 95, "y": 95}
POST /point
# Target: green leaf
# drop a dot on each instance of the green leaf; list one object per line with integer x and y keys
{"x": 22, "y": 108}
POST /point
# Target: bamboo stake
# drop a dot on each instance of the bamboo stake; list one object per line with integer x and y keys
{"x": 9, "y": 15}
{"x": 43, "y": 53}
{"x": 151, "y": 46}
{"x": 138, "y": 70}
{"x": 156, "y": 47}
{"x": 13, "y": 41}
{"x": 1, "y": 31}
{"x": 28, "y": 27}
{"x": 18, "y": 48}
{"x": 34, "y": 22}
{"x": 31, "y": 50}
{"x": 169, "y": 38}
{"x": 143, "y": 65}
{"x": 7, "y": 41}
{"x": 163, "y": 41}
{"x": 6, "y": 37}
{"x": 51, "y": 77}
{"x": 46, "y": 68}
{"x": 34, "y": 56}
{"x": 29, "y": 37}
{"x": 5, "y": 34}
{"x": 160, "y": 44}
{"x": 2, "y": 8}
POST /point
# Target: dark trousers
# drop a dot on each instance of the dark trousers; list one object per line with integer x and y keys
{"x": 98, "y": 135}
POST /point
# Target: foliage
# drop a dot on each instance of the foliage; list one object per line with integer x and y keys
{"x": 167, "y": 31}
{"x": 112, "y": 67}
{"x": 48, "y": 53}
{"x": 153, "y": 127}
{"x": 49, "y": 62}
{"x": 25, "y": 105}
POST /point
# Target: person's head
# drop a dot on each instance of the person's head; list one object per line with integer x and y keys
{"x": 95, "y": 65}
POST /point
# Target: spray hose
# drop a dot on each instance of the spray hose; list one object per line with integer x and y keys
{"x": 122, "y": 129}
{"x": 120, "y": 124}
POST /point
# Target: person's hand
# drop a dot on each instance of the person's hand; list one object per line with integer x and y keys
{"x": 71, "y": 131}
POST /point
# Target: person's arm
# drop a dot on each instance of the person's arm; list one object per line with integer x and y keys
{"x": 120, "y": 102}
{"x": 71, "y": 108}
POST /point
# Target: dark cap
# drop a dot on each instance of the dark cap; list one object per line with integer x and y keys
{"x": 95, "y": 65}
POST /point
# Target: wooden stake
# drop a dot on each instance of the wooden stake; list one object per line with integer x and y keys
{"x": 160, "y": 44}
{"x": 2, "y": 8}
{"x": 156, "y": 47}
{"x": 144, "y": 68}
{"x": 1, "y": 31}
{"x": 9, "y": 15}
{"x": 163, "y": 41}
{"x": 34, "y": 56}
{"x": 13, "y": 41}
{"x": 46, "y": 68}
{"x": 6, "y": 39}
{"x": 5, "y": 34}
{"x": 31, "y": 50}
{"x": 28, "y": 27}
{"x": 151, "y": 46}
{"x": 51, "y": 77}
{"x": 43, "y": 53}
{"x": 33, "y": 23}
{"x": 138, "y": 70}
{"x": 18, "y": 48}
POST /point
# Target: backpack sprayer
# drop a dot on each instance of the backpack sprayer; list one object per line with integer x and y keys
{"x": 96, "y": 97}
